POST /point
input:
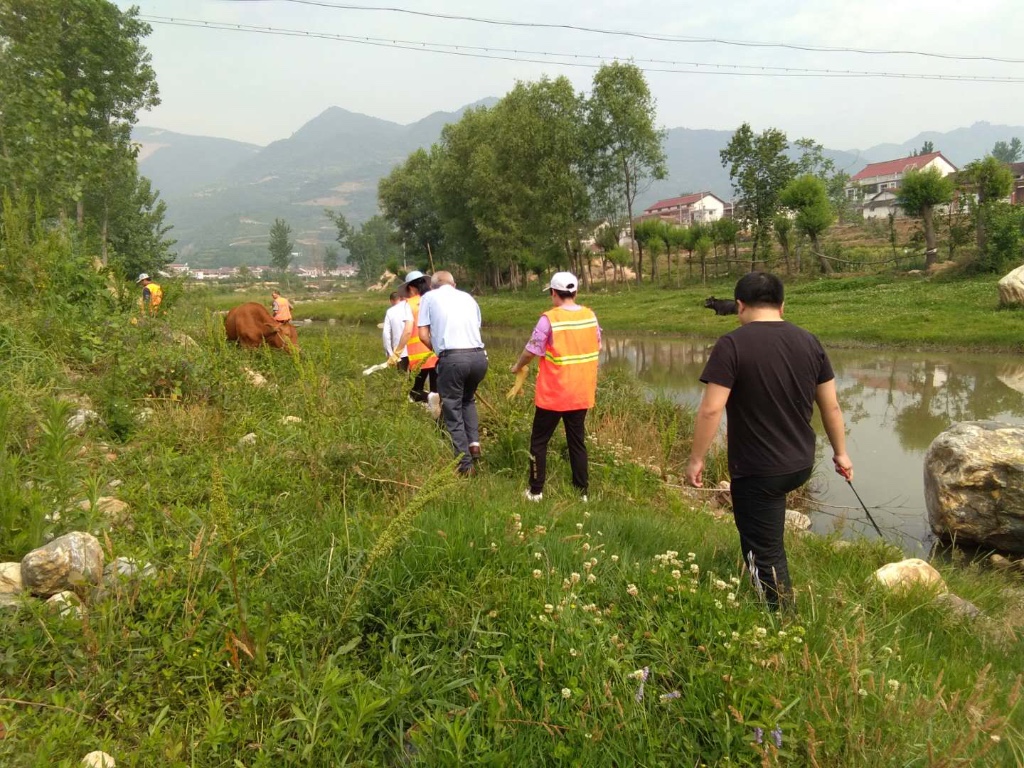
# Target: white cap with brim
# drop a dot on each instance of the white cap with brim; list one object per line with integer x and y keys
{"x": 413, "y": 276}
{"x": 142, "y": 277}
{"x": 562, "y": 281}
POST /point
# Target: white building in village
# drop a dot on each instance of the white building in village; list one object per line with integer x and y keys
{"x": 876, "y": 183}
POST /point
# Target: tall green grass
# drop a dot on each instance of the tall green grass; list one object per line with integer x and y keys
{"x": 334, "y": 595}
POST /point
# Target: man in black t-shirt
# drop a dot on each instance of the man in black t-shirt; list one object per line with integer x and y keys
{"x": 766, "y": 375}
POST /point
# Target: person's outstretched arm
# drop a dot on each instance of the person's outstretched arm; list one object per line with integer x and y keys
{"x": 832, "y": 419}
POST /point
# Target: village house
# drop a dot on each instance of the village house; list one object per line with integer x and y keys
{"x": 700, "y": 207}
{"x": 876, "y": 184}
{"x": 1017, "y": 195}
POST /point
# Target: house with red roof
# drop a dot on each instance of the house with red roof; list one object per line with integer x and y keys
{"x": 1017, "y": 195}
{"x": 700, "y": 207}
{"x": 876, "y": 183}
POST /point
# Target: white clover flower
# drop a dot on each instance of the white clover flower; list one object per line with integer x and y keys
{"x": 591, "y": 578}
{"x": 694, "y": 568}
{"x": 727, "y": 646}
{"x": 632, "y": 590}
{"x": 719, "y": 584}
{"x": 579, "y": 526}
{"x": 573, "y": 652}
{"x": 761, "y": 632}
{"x": 718, "y": 604}
{"x": 893, "y": 684}
{"x": 798, "y": 640}
{"x": 574, "y": 577}
{"x": 735, "y": 635}
{"x": 593, "y": 561}
{"x": 493, "y": 546}
{"x": 676, "y": 575}
{"x": 783, "y": 633}
{"x": 537, "y": 556}
{"x": 731, "y": 597}
{"x": 862, "y": 693}
{"x": 690, "y": 556}
{"x": 615, "y": 558}
{"x": 542, "y": 617}
{"x": 537, "y": 573}
{"x": 549, "y": 608}
{"x": 735, "y": 580}
{"x": 996, "y": 738}
{"x": 586, "y": 547}
{"x": 566, "y": 693}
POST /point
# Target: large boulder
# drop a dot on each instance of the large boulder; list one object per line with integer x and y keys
{"x": 1011, "y": 288}
{"x": 909, "y": 573}
{"x": 974, "y": 484}
{"x": 68, "y": 562}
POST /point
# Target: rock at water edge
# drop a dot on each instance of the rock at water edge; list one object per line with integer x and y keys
{"x": 909, "y": 573}
{"x": 1011, "y": 288}
{"x": 974, "y": 484}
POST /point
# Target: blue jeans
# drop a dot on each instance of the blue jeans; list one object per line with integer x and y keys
{"x": 459, "y": 373}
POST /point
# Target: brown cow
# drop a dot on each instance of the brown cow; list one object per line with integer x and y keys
{"x": 251, "y": 325}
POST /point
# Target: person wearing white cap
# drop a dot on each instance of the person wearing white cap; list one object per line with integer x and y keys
{"x": 152, "y": 294}
{"x": 449, "y": 323}
{"x": 567, "y": 339}
{"x": 422, "y": 360}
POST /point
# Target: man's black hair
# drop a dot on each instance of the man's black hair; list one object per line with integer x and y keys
{"x": 421, "y": 284}
{"x": 565, "y": 294}
{"x": 760, "y": 289}
{"x": 395, "y": 296}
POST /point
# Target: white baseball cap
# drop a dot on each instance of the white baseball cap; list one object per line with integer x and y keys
{"x": 143, "y": 276}
{"x": 413, "y": 276}
{"x": 562, "y": 281}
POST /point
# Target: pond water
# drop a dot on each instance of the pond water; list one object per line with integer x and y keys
{"x": 895, "y": 403}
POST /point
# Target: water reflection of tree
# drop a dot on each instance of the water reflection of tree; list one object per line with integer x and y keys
{"x": 928, "y": 395}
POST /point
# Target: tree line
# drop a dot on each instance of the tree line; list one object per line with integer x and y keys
{"x": 74, "y": 75}
{"x": 516, "y": 188}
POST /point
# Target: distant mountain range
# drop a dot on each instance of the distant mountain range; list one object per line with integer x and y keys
{"x": 223, "y": 195}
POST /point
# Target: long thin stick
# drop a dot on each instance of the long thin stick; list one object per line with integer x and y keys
{"x": 865, "y": 508}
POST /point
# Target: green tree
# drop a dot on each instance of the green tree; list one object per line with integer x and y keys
{"x": 1008, "y": 152}
{"x": 725, "y": 232}
{"x": 920, "y": 192}
{"x": 650, "y": 236}
{"x": 782, "y": 226}
{"x": 374, "y": 247}
{"x": 808, "y": 197}
{"x": 759, "y": 170}
{"x": 927, "y": 148}
{"x": 331, "y": 259}
{"x": 989, "y": 181}
{"x": 134, "y": 227}
{"x": 73, "y": 77}
{"x": 407, "y": 200}
{"x": 623, "y": 137}
{"x": 280, "y": 246}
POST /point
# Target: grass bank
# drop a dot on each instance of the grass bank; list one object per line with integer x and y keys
{"x": 907, "y": 311}
{"x": 333, "y": 595}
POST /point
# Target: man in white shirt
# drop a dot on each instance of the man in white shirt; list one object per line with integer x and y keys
{"x": 449, "y": 323}
{"x": 395, "y": 320}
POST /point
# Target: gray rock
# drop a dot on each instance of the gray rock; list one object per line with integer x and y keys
{"x": 81, "y": 417}
{"x": 66, "y": 604}
{"x": 127, "y": 568}
{"x": 10, "y": 578}
{"x": 71, "y": 561}
{"x": 256, "y": 379}
{"x": 1011, "y": 288}
{"x": 959, "y": 606}
{"x": 974, "y": 484}
{"x": 184, "y": 340}
{"x": 9, "y": 601}
{"x": 98, "y": 760}
{"x": 797, "y": 521}
{"x": 114, "y": 510}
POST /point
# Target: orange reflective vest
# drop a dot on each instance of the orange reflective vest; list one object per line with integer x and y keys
{"x": 282, "y": 309}
{"x": 156, "y": 295}
{"x": 420, "y": 355}
{"x": 567, "y": 379}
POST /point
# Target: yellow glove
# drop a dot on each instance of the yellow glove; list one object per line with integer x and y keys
{"x": 393, "y": 358}
{"x": 517, "y": 388}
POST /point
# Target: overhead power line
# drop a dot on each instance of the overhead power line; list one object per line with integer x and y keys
{"x": 644, "y": 35}
{"x": 588, "y": 61}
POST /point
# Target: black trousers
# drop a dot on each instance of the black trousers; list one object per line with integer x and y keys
{"x": 417, "y": 393}
{"x": 544, "y": 424}
{"x": 759, "y": 507}
{"x": 403, "y": 364}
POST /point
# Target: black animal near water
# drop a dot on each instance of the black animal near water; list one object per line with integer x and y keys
{"x": 721, "y": 306}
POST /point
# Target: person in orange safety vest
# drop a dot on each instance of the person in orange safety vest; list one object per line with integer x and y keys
{"x": 281, "y": 309}
{"x": 422, "y": 359}
{"x": 152, "y": 294}
{"x": 567, "y": 339}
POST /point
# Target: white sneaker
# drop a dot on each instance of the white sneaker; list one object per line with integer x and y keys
{"x": 533, "y": 496}
{"x": 583, "y": 498}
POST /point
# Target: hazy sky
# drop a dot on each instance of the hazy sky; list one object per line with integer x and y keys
{"x": 258, "y": 88}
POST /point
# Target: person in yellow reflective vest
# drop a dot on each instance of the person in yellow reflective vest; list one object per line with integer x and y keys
{"x": 567, "y": 339}
{"x": 422, "y": 360}
{"x": 281, "y": 309}
{"x": 152, "y": 294}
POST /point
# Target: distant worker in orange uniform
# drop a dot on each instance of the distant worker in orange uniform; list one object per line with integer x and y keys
{"x": 422, "y": 360}
{"x": 152, "y": 294}
{"x": 281, "y": 309}
{"x": 567, "y": 339}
